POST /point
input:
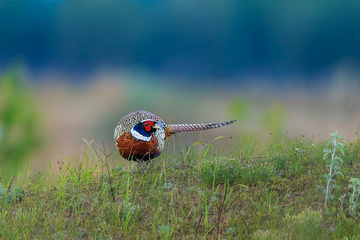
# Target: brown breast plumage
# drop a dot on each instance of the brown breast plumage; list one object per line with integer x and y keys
{"x": 134, "y": 149}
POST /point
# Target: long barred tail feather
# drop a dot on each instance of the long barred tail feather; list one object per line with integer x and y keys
{"x": 174, "y": 128}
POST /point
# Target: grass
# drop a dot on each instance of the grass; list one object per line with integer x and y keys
{"x": 270, "y": 192}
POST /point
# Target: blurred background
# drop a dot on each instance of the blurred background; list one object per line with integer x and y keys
{"x": 71, "y": 69}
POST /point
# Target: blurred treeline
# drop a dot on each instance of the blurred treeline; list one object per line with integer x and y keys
{"x": 194, "y": 38}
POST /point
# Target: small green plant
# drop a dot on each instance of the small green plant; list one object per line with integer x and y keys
{"x": 354, "y": 195}
{"x": 219, "y": 170}
{"x": 305, "y": 225}
{"x": 268, "y": 235}
{"x": 306, "y": 217}
{"x": 14, "y": 194}
{"x": 332, "y": 155}
{"x": 165, "y": 231}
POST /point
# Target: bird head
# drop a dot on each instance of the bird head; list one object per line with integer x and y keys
{"x": 144, "y": 129}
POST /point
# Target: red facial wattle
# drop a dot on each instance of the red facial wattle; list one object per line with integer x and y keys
{"x": 148, "y": 125}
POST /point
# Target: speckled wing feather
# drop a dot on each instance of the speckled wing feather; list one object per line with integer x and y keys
{"x": 174, "y": 128}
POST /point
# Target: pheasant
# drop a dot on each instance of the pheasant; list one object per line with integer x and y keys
{"x": 140, "y": 136}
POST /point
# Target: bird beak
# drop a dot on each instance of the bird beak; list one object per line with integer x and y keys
{"x": 156, "y": 126}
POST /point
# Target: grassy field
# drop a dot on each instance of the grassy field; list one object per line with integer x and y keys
{"x": 284, "y": 189}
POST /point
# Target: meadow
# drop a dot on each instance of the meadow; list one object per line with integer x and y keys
{"x": 276, "y": 173}
{"x": 292, "y": 188}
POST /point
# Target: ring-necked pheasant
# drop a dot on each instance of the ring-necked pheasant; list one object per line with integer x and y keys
{"x": 141, "y": 135}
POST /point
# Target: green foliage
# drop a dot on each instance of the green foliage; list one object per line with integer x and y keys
{"x": 334, "y": 162}
{"x": 354, "y": 196}
{"x": 20, "y": 132}
{"x": 14, "y": 194}
{"x": 220, "y": 170}
{"x": 165, "y": 232}
{"x": 273, "y": 119}
{"x": 239, "y": 109}
{"x": 232, "y": 170}
{"x": 279, "y": 159}
{"x": 305, "y": 225}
